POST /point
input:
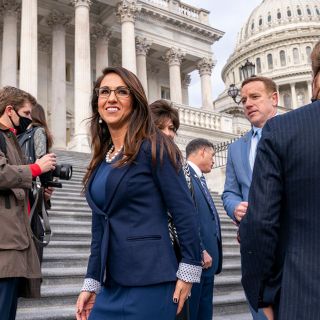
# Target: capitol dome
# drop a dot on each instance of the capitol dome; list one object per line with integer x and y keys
{"x": 276, "y": 15}
{"x": 278, "y": 38}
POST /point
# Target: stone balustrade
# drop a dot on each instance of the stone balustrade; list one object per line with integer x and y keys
{"x": 204, "y": 119}
{"x": 188, "y": 11}
{"x": 182, "y": 9}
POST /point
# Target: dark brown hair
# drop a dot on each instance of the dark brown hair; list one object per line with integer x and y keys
{"x": 269, "y": 84}
{"x": 315, "y": 59}
{"x": 11, "y": 96}
{"x": 140, "y": 127}
{"x": 163, "y": 110}
{"x": 38, "y": 116}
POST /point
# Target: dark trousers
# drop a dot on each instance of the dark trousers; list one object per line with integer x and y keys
{"x": 8, "y": 298}
{"x": 201, "y": 307}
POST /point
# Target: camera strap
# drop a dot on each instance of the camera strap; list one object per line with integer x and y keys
{"x": 39, "y": 209}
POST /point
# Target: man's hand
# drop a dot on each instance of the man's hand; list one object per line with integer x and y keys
{"x": 181, "y": 293}
{"x": 85, "y": 304}
{"x": 48, "y": 193}
{"x": 240, "y": 210}
{"x": 268, "y": 312}
{"x": 206, "y": 260}
{"x": 47, "y": 162}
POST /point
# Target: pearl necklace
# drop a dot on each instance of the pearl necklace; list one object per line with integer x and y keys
{"x": 108, "y": 159}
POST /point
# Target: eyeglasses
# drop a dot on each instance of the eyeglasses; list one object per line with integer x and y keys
{"x": 120, "y": 92}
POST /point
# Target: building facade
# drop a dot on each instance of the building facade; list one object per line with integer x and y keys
{"x": 55, "y": 49}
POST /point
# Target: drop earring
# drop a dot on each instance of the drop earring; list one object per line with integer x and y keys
{"x": 100, "y": 120}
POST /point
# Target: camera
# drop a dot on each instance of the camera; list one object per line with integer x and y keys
{"x": 62, "y": 171}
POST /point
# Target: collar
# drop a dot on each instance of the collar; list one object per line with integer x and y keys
{"x": 195, "y": 168}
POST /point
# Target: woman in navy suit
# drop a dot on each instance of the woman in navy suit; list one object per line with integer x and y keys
{"x": 133, "y": 179}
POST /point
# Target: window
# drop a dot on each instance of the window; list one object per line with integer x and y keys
{"x": 283, "y": 61}
{"x": 270, "y": 61}
{"x": 279, "y": 15}
{"x": 233, "y": 77}
{"x": 317, "y": 11}
{"x": 252, "y": 25}
{"x": 165, "y": 93}
{"x": 258, "y": 64}
{"x": 260, "y": 22}
{"x": 309, "y": 11}
{"x": 269, "y": 18}
{"x": 68, "y": 72}
{"x": 289, "y": 14}
{"x": 299, "y": 12}
{"x": 308, "y": 53}
{"x": 296, "y": 58}
{"x": 240, "y": 74}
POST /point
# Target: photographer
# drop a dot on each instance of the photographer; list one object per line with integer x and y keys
{"x": 35, "y": 141}
{"x": 19, "y": 265}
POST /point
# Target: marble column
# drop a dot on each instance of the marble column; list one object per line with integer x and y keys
{"x": 101, "y": 35}
{"x": 153, "y": 85}
{"x": 174, "y": 57}
{"x": 126, "y": 12}
{"x": 142, "y": 49}
{"x": 309, "y": 83}
{"x": 29, "y": 47}
{"x": 205, "y": 66}
{"x": 82, "y": 79}
{"x": 293, "y": 95}
{"x": 58, "y": 21}
{"x": 10, "y": 11}
{"x": 186, "y": 80}
{"x": 44, "y": 45}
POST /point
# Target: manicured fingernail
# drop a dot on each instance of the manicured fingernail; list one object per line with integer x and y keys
{"x": 175, "y": 300}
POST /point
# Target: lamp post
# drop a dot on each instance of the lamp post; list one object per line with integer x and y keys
{"x": 247, "y": 71}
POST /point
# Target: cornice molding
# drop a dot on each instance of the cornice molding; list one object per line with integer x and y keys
{"x": 180, "y": 23}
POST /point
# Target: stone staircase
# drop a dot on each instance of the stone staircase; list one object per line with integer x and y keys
{"x": 65, "y": 258}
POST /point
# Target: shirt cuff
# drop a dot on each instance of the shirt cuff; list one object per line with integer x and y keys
{"x": 189, "y": 272}
{"x": 35, "y": 170}
{"x": 91, "y": 285}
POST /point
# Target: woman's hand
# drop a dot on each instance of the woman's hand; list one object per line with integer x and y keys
{"x": 85, "y": 304}
{"x": 181, "y": 293}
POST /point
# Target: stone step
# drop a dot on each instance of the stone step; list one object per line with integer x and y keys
{"x": 54, "y": 295}
{"x": 66, "y": 207}
{"x": 230, "y": 303}
{"x": 242, "y": 316}
{"x": 227, "y": 283}
{"x": 66, "y": 245}
{"x": 71, "y": 215}
{"x": 67, "y": 276}
{"x": 63, "y": 260}
{"x": 47, "y": 313}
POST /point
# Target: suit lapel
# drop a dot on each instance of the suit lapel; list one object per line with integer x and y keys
{"x": 197, "y": 180}
{"x": 245, "y": 151}
{"x": 114, "y": 179}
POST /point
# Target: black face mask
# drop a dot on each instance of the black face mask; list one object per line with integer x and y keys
{"x": 23, "y": 123}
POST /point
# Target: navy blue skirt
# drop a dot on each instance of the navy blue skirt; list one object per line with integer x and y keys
{"x": 135, "y": 303}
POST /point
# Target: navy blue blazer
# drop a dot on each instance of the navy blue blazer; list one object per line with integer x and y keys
{"x": 208, "y": 230}
{"x": 130, "y": 239}
{"x": 280, "y": 241}
{"x": 238, "y": 174}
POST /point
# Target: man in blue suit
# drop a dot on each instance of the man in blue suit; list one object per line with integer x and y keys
{"x": 259, "y": 100}
{"x": 280, "y": 234}
{"x": 200, "y": 155}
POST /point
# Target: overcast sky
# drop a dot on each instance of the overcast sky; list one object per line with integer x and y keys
{"x": 228, "y": 16}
